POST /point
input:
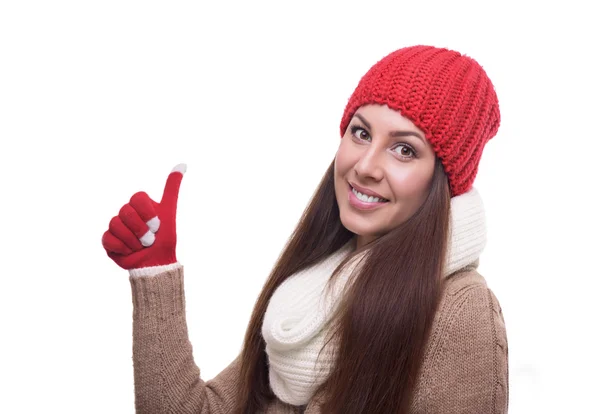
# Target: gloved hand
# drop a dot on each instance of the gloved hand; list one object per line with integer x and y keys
{"x": 144, "y": 233}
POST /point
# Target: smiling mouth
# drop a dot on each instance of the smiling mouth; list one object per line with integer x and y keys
{"x": 366, "y": 198}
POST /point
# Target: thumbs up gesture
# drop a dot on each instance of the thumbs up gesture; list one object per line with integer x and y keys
{"x": 144, "y": 232}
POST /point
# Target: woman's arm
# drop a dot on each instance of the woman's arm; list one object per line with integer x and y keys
{"x": 166, "y": 376}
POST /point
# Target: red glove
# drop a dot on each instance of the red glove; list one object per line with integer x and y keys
{"x": 144, "y": 233}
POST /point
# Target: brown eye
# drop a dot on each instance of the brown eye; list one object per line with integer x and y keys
{"x": 404, "y": 151}
{"x": 360, "y": 133}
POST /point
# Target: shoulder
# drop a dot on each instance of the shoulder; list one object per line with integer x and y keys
{"x": 468, "y": 304}
{"x": 467, "y": 352}
{"x": 466, "y": 291}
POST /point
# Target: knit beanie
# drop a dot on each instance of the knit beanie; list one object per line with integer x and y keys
{"x": 445, "y": 94}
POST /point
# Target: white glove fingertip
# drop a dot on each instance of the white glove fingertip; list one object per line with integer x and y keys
{"x": 153, "y": 224}
{"x": 182, "y": 168}
{"x": 147, "y": 239}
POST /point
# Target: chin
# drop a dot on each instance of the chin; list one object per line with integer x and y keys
{"x": 359, "y": 226}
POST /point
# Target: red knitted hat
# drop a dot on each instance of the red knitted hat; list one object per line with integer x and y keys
{"x": 445, "y": 94}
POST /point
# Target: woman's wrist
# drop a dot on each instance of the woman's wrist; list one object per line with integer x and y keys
{"x": 153, "y": 270}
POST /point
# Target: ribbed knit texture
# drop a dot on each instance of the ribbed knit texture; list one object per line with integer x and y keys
{"x": 445, "y": 94}
{"x": 298, "y": 310}
{"x": 153, "y": 270}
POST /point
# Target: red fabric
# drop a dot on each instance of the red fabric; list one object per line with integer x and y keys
{"x": 445, "y": 94}
{"x": 122, "y": 239}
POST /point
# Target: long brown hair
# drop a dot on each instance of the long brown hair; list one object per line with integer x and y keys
{"x": 382, "y": 323}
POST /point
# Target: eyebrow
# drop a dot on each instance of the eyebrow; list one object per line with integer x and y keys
{"x": 393, "y": 133}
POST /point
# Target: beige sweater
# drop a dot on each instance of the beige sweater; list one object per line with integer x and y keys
{"x": 465, "y": 368}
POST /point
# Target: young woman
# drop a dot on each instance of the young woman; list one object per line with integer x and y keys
{"x": 375, "y": 304}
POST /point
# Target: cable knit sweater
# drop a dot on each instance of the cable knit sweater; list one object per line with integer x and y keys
{"x": 465, "y": 369}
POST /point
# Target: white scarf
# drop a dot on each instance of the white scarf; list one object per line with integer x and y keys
{"x": 298, "y": 310}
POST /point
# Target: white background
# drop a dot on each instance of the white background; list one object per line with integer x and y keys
{"x": 99, "y": 100}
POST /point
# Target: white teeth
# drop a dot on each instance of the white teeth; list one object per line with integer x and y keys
{"x": 366, "y": 198}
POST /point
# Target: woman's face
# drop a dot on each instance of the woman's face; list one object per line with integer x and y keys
{"x": 382, "y": 154}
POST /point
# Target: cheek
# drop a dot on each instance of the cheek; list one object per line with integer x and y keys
{"x": 410, "y": 185}
{"x": 343, "y": 159}
{"x": 342, "y": 166}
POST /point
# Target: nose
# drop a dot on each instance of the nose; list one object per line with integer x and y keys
{"x": 369, "y": 165}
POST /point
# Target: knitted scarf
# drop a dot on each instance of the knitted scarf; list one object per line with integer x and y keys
{"x": 293, "y": 326}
